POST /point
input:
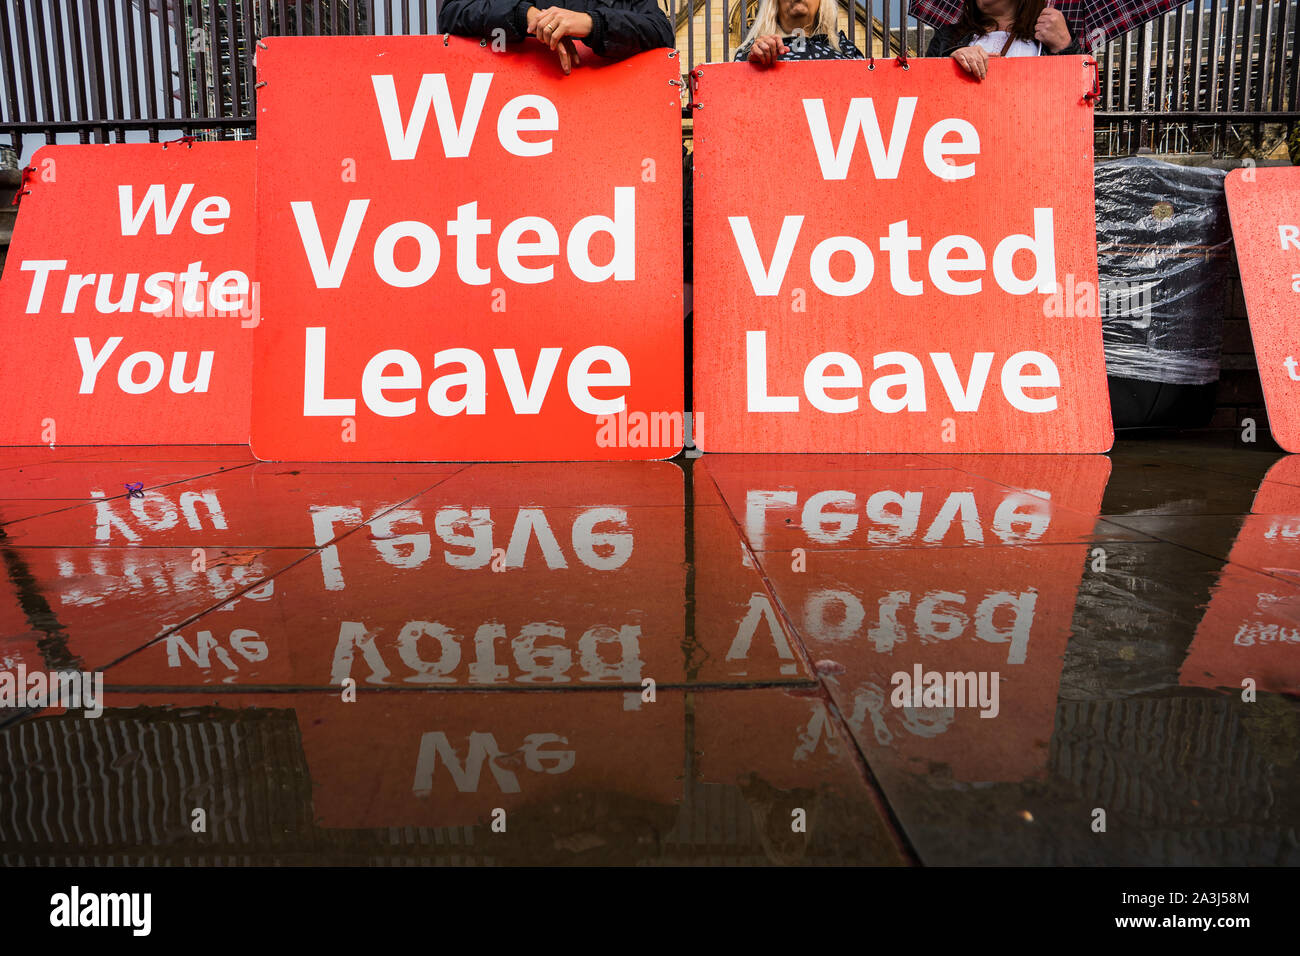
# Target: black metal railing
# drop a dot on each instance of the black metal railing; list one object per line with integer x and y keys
{"x": 1197, "y": 79}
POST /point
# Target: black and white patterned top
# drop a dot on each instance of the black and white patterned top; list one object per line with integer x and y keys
{"x": 814, "y": 47}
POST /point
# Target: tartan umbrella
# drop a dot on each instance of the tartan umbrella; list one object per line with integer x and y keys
{"x": 1090, "y": 21}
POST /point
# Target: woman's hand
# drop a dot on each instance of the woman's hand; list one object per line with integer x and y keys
{"x": 974, "y": 60}
{"x": 766, "y": 49}
{"x": 1051, "y": 31}
{"x": 555, "y": 23}
{"x": 556, "y": 27}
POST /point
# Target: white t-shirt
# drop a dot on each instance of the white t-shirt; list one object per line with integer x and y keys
{"x": 995, "y": 41}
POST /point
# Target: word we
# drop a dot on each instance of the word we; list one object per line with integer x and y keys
{"x": 190, "y": 289}
{"x": 483, "y": 748}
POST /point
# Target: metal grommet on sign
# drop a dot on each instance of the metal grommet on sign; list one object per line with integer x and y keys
{"x": 482, "y": 42}
{"x": 672, "y": 54}
{"x": 446, "y": 39}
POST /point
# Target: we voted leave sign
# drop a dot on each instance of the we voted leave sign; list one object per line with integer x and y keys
{"x": 128, "y": 301}
{"x": 1264, "y": 205}
{"x": 469, "y": 254}
{"x": 897, "y": 259}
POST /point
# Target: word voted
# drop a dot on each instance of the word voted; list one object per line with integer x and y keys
{"x": 996, "y": 617}
{"x": 528, "y": 237}
{"x": 540, "y": 652}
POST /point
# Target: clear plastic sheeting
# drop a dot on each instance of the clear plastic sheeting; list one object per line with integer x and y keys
{"x": 1163, "y": 242}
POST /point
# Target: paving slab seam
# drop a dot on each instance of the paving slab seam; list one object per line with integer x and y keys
{"x": 878, "y": 798}
{"x": 310, "y": 553}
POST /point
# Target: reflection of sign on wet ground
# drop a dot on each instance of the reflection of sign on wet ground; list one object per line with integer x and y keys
{"x": 913, "y": 564}
{"x": 499, "y": 576}
{"x": 1251, "y": 628}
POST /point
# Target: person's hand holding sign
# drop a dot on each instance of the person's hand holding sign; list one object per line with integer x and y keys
{"x": 556, "y": 27}
{"x": 766, "y": 49}
{"x": 974, "y": 60}
{"x": 1051, "y": 31}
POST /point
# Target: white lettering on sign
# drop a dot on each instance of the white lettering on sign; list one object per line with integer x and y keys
{"x": 529, "y": 237}
{"x": 151, "y": 363}
{"x": 457, "y": 137}
{"x": 1020, "y": 371}
{"x": 185, "y": 292}
{"x": 155, "y": 200}
{"x": 899, "y": 244}
{"x": 886, "y": 160}
{"x": 584, "y": 375}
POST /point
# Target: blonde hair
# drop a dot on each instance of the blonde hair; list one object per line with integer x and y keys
{"x": 766, "y": 23}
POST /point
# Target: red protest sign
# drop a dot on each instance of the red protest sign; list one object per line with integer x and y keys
{"x": 1264, "y": 205}
{"x": 475, "y": 256}
{"x": 128, "y": 298}
{"x": 897, "y": 259}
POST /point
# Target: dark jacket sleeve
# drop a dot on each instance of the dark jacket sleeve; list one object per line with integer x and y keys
{"x": 478, "y": 18}
{"x": 945, "y": 40}
{"x": 1072, "y": 48}
{"x": 621, "y": 28}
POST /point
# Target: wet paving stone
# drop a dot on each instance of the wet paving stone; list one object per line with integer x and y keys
{"x": 714, "y": 777}
{"x": 731, "y": 660}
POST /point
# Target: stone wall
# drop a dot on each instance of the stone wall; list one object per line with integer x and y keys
{"x": 1239, "y": 394}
